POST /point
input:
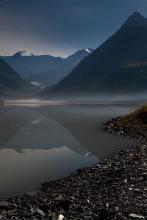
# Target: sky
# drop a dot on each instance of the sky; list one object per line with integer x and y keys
{"x": 60, "y": 27}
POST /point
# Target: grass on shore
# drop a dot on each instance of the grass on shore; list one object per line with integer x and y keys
{"x": 136, "y": 119}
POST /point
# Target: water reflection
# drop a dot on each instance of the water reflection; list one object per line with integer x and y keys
{"x": 27, "y": 128}
{"x": 24, "y": 172}
{"x": 85, "y": 124}
{"x": 35, "y": 148}
{"x": 46, "y": 142}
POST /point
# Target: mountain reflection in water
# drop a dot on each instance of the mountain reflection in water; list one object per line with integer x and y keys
{"x": 46, "y": 142}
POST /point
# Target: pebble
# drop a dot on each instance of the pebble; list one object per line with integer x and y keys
{"x": 61, "y": 217}
{"x": 40, "y": 212}
{"x": 136, "y": 216}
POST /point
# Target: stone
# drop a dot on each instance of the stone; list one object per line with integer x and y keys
{"x": 40, "y": 212}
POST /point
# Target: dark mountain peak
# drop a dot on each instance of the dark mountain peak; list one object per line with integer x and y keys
{"x": 136, "y": 19}
{"x": 22, "y": 53}
{"x": 128, "y": 44}
{"x": 137, "y": 15}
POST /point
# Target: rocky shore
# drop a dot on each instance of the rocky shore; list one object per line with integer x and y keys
{"x": 116, "y": 188}
{"x": 116, "y": 126}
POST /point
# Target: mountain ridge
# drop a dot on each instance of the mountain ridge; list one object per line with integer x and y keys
{"x": 127, "y": 44}
{"x": 136, "y": 19}
{"x": 45, "y": 69}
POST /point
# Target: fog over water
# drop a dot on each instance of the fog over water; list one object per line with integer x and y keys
{"x": 44, "y": 140}
{"x": 138, "y": 98}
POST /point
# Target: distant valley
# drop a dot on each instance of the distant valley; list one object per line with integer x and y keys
{"x": 45, "y": 70}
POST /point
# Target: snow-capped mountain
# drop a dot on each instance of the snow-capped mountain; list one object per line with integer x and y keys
{"x": 23, "y": 53}
{"x": 45, "y": 69}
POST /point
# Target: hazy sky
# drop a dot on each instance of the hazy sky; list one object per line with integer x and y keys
{"x": 59, "y": 27}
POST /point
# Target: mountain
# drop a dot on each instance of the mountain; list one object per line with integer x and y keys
{"x": 9, "y": 79}
{"x": 45, "y": 70}
{"x": 11, "y": 84}
{"x": 98, "y": 71}
{"x": 23, "y": 53}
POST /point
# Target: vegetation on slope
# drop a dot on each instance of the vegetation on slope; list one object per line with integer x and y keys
{"x": 130, "y": 77}
{"x": 137, "y": 119}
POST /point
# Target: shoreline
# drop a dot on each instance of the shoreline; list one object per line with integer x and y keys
{"x": 115, "y": 188}
{"x": 116, "y": 127}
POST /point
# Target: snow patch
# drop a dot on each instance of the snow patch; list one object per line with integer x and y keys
{"x": 88, "y": 50}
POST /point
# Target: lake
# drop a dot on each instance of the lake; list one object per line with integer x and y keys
{"x": 45, "y": 141}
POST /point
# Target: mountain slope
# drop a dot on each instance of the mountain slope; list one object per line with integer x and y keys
{"x": 128, "y": 44}
{"x": 10, "y": 82}
{"x": 136, "y": 119}
{"x": 8, "y": 77}
{"x": 45, "y": 69}
{"x": 131, "y": 77}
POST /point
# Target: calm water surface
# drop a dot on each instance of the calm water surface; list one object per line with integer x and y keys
{"x": 44, "y": 142}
